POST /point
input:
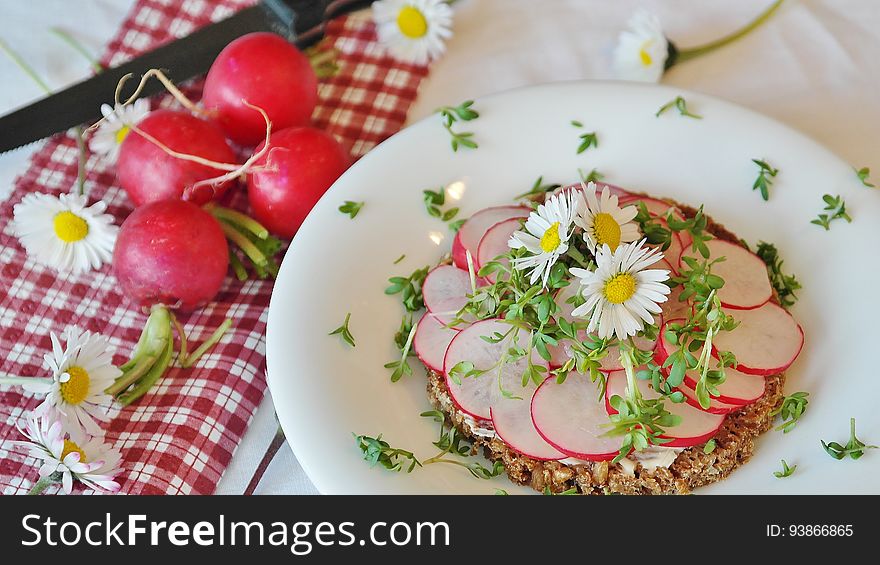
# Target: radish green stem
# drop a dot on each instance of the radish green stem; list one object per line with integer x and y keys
{"x": 154, "y": 339}
{"x": 10, "y": 380}
{"x": 129, "y": 377}
{"x": 40, "y": 486}
{"x": 254, "y": 254}
{"x": 694, "y": 52}
{"x": 81, "y": 160}
{"x": 78, "y": 47}
{"x": 27, "y": 69}
{"x": 208, "y": 344}
{"x": 151, "y": 377}
{"x": 239, "y": 220}
{"x": 181, "y": 335}
{"x": 237, "y": 267}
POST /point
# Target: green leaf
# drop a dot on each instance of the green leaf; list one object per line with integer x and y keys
{"x": 786, "y": 470}
{"x": 587, "y": 140}
{"x": 344, "y": 331}
{"x": 680, "y": 104}
{"x": 351, "y": 208}
{"x": 863, "y": 175}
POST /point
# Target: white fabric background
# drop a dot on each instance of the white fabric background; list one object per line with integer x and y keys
{"x": 815, "y": 66}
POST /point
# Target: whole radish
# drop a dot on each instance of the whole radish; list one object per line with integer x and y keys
{"x": 300, "y": 166}
{"x": 264, "y": 70}
{"x": 169, "y": 255}
{"x": 149, "y": 174}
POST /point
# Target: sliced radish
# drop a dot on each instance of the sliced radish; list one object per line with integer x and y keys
{"x": 476, "y": 394}
{"x": 696, "y": 426}
{"x": 512, "y": 420}
{"x": 445, "y": 290}
{"x": 571, "y": 418}
{"x": 620, "y": 193}
{"x": 674, "y": 308}
{"x": 715, "y": 405}
{"x": 766, "y": 342}
{"x": 738, "y": 388}
{"x": 472, "y": 231}
{"x": 431, "y": 341}
{"x": 494, "y": 243}
{"x": 746, "y": 284}
{"x": 656, "y": 208}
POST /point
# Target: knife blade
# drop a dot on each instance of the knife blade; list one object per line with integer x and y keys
{"x": 301, "y": 22}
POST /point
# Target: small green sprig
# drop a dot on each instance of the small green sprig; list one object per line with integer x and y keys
{"x": 655, "y": 232}
{"x": 540, "y": 187}
{"x": 399, "y": 259}
{"x": 351, "y": 208}
{"x": 409, "y": 288}
{"x": 456, "y": 225}
{"x": 785, "y": 285}
{"x": 786, "y": 470}
{"x": 588, "y": 140}
{"x": 836, "y": 207}
{"x": 377, "y": 451}
{"x": 854, "y": 448}
{"x": 766, "y": 173}
{"x": 501, "y": 492}
{"x": 863, "y": 175}
{"x": 433, "y": 200}
{"x": 791, "y": 410}
{"x": 680, "y": 104}
{"x": 593, "y": 176}
{"x": 403, "y": 339}
{"x": 344, "y": 332}
{"x": 452, "y": 114}
{"x": 695, "y": 226}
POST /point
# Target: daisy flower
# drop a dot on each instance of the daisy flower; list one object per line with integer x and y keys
{"x": 64, "y": 233}
{"x": 603, "y": 221}
{"x": 413, "y": 30}
{"x": 641, "y": 50}
{"x": 116, "y": 125}
{"x": 69, "y": 455}
{"x": 621, "y": 295}
{"x": 546, "y": 235}
{"x": 81, "y": 372}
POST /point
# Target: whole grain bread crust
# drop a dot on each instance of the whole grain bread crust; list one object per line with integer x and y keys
{"x": 735, "y": 441}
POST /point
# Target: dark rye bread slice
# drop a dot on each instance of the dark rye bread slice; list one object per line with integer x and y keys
{"x": 735, "y": 441}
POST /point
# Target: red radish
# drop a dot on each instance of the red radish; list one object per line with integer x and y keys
{"x": 715, "y": 405}
{"x": 696, "y": 426}
{"x": 172, "y": 253}
{"x": 512, "y": 421}
{"x": 766, "y": 342}
{"x": 148, "y": 174}
{"x": 472, "y": 231}
{"x": 445, "y": 289}
{"x": 746, "y": 284}
{"x": 571, "y": 418}
{"x": 301, "y": 164}
{"x": 494, "y": 243}
{"x": 431, "y": 341}
{"x": 738, "y": 387}
{"x": 263, "y": 70}
{"x": 476, "y": 394}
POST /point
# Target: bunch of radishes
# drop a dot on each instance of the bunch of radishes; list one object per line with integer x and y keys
{"x": 172, "y": 251}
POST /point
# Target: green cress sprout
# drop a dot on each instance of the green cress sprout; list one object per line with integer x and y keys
{"x": 452, "y": 114}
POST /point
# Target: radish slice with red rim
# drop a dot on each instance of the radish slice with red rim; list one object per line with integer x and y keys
{"x": 738, "y": 388}
{"x": 472, "y": 231}
{"x": 656, "y": 207}
{"x": 494, "y": 243}
{"x": 746, "y": 284}
{"x": 696, "y": 426}
{"x": 715, "y": 405}
{"x": 620, "y": 193}
{"x": 572, "y": 418}
{"x": 766, "y": 342}
{"x": 431, "y": 340}
{"x": 475, "y": 395}
{"x": 445, "y": 291}
{"x": 512, "y": 420}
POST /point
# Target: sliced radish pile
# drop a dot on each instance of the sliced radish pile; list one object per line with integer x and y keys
{"x": 737, "y": 388}
{"x": 746, "y": 284}
{"x": 431, "y": 341}
{"x": 715, "y": 405}
{"x": 571, "y": 418}
{"x": 512, "y": 420}
{"x": 475, "y": 395}
{"x": 445, "y": 291}
{"x": 494, "y": 243}
{"x": 766, "y": 342}
{"x": 696, "y": 426}
{"x": 472, "y": 231}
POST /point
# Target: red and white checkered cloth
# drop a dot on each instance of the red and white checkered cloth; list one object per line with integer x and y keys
{"x": 181, "y": 436}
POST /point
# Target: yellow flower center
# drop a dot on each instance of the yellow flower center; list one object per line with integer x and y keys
{"x": 620, "y": 288}
{"x": 606, "y": 230}
{"x": 76, "y": 388}
{"x": 121, "y": 134}
{"x": 644, "y": 55}
{"x": 412, "y": 22}
{"x": 69, "y": 227}
{"x": 70, "y": 447}
{"x": 550, "y": 240}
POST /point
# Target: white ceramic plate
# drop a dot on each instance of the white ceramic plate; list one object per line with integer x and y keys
{"x": 325, "y": 390}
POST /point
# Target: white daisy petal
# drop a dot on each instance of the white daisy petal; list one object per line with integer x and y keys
{"x": 641, "y": 50}
{"x": 548, "y": 230}
{"x": 413, "y": 30}
{"x": 602, "y": 220}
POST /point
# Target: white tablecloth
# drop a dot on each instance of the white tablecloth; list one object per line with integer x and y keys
{"x": 814, "y": 66}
